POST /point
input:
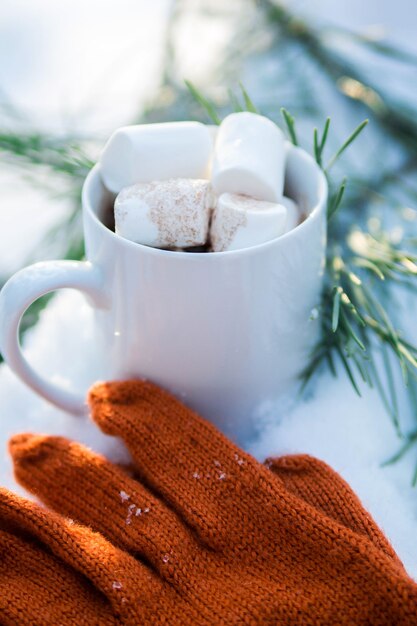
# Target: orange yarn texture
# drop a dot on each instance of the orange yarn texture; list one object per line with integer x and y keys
{"x": 195, "y": 532}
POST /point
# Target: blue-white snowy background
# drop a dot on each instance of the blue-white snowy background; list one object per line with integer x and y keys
{"x": 88, "y": 65}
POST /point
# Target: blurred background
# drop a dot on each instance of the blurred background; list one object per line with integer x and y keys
{"x": 71, "y": 72}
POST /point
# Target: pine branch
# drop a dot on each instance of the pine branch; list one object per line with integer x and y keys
{"x": 63, "y": 156}
{"x": 290, "y": 122}
{"x": 357, "y": 321}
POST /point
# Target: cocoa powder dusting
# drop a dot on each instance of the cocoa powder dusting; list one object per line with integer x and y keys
{"x": 180, "y": 208}
{"x": 224, "y": 226}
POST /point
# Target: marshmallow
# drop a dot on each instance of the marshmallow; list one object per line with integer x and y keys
{"x": 249, "y": 157}
{"x": 293, "y": 213}
{"x": 148, "y": 152}
{"x": 165, "y": 214}
{"x": 242, "y": 222}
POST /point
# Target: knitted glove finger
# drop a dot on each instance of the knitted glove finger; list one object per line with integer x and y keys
{"x": 119, "y": 577}
{"x": 266, "y": 556}
{"x": 196, "y": 469}
{"x": 179, "y": 454}
{"x": 39, "y": 589}
{"x": 84, "y": 486}
{"x": 223, "y": 493}
{"x": 316, "y": 483}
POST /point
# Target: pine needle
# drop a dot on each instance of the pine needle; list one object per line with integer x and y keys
{"x": 335, "y": 203}
{"x": 324, "y": 136}
{"x": 348, "y": 370}
{"x": 248, "y": 102}
{"x": 336, "y": 308}
{"x": 204, "y": 102}
{"x": 411, "y": 439}
{"x": 346, "y": 144}
{"x": 290, "y": 122}
{"x": 319, "y": 145}
{"x": 236, "y": 106}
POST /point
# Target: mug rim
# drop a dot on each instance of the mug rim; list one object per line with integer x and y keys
{"x": 317, "y": 209}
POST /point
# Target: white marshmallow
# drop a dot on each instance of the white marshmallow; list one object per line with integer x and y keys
{"x": 249, "y": 157}
{"x": 165, "y": 214}
{"x": 148, "y": 152}
{"x": 293, "y": 213}
{"x": 242, "y": 222}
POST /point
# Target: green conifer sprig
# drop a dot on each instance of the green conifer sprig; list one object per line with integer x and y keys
{"x": 356, "y": 328}
{"x": 302, "y": 50}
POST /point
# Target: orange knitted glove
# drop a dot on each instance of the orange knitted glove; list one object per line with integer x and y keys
{"x": 49, "y": 569}
{"x": 202, "y": 533}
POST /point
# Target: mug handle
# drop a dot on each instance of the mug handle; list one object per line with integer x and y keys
{"x": 19, "y": 292}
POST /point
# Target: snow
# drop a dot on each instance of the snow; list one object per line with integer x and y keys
{"x": 60, "y": 348}
{"x": 354, "y": 435}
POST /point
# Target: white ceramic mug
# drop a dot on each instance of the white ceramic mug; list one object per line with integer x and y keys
{"x": 228, "y": 332}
